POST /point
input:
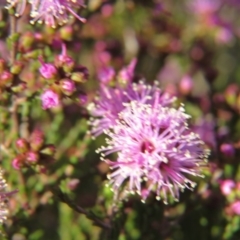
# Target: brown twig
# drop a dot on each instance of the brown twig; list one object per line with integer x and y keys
{"x": 90, "y": 215}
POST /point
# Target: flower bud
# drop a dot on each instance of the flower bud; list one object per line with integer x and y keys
{"x": 73, "y": 183}
{"x": 19, "y": 88}
{"x": 35, "y": 54}
{"x": 231, "y": 94}
{"x": 227, "y": 149}
{"x": 49, "y": 149}
{"x": 66, "y": 33}
{"x": 36, "y": 140}
{"x": 48, "y": 70}
{"x": 65, "y": 62}
{"x": 5, "y": 79}
{"x": 82, "y": 98}
{"x": 67, "y": 86}
{"x": 81, "y": 74}
{"x": 16, "y": 68}
{"x": 32, "y": 157}
{"x": 17, "y": 162}
{"x": 127, "y": 73}
{"x": 186, "y": 85}
{"x": 106, "y": 75}
{"x": 238, "y": 103}
{"x": 50, "y": 99}
{"x": 26, "y": 41}
{"x": 22, "y": 145}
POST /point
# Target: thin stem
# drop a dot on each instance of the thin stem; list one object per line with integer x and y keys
{"x": 90, "y": 215}
{"x": 13, "y": 30}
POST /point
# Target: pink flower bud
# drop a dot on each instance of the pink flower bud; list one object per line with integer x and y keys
{"x": 48, "y": 70}
{"x": 22, "y": 145}
{"x": 126, "y": 74}
{"x": 67, "y": 86}
{"x": 17, "y": 163}
{"x": 186, "y": 85}
{"x": 5, "y": 78}
{"x": 32, "y": 157}
{"x": 36, "y": 140}
{"x": 49, "y": 99}
{"x": 64, "y": 61}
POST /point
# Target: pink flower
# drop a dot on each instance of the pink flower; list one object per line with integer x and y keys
{"x": 155, "y": 150}
{"x": 49, "y": 99}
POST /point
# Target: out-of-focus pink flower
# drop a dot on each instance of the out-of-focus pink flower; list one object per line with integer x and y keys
{"x": 107, "y": 10}
{"x": 226, "y": 186}
{"x": 224, "y": 35}
{"x": 204, "y": 6}
{"x": 227, "y": 149}
{"x": 49, "y": 99}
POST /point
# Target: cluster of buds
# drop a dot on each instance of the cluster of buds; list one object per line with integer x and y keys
{"x": 8, "y": 81}
{"x": 63, "y": 79}
{"x": 33, "y": 151}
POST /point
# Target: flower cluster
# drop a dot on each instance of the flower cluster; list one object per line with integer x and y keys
{"x": 4, "y": 196}
{"x": 62, "y": 78}
{"x": 50, "y": 12}
{"x": 156, "y": 151}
